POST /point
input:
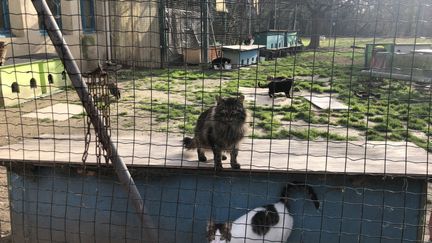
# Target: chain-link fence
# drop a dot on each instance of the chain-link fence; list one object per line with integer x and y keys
{"x": 218, "y": 121}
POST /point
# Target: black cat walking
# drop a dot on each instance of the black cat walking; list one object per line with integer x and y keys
{"x": 278, "y": 84}
{"x": 220, "y": 128}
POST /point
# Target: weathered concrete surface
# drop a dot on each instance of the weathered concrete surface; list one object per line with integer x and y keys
{"x": 260, "y": 97}
{"x": 165, "y": 149}
{"x": 57, "y": 112}
{"x": 326, "y": 102}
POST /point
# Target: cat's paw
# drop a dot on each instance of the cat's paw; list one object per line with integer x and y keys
{"x": 224, "y": 157}
{"x": 202, "y": 159}
{"x": 235, "y": 166}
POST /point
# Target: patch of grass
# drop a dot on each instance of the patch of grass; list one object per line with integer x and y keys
{"x": 80, "y": 115}
{"x": 376, "y": 119}
{"x": 187, "y": 128}
{"x": 171, "y": 111}
{"x": 306, "y": 134}
{"x": 161, "y": 86}
{"x": 129, "y": 124}
{"x": 417, "y": 124}
{"x": 374, "y": 135}
{"x": 206, "y": 98}
{"x": 360, "y": 125}
{"x": 45, "y": 120}
{"x": 423, "y": 143}
{"x": 267, "y": 121}
{"x": 307, "y": 117}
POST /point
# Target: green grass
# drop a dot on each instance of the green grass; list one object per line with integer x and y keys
{"x": 399, "y": 107}
{"x": 80, "y": 115}
{"x": 171, "y": 111}
{"x": 306, "y": 134}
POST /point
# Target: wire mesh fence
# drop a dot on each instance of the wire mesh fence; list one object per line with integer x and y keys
{"x": 176, "y": 121}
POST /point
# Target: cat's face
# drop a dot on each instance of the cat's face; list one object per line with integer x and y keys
{"x": 218, "y": 233}
{"x": 230, "y": 109}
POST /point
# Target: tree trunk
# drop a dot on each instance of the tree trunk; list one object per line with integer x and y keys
{"x": 315, "y": 36}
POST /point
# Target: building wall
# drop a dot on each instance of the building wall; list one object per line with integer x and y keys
{"x": 135, "y": 33}
{"x": 27, "y": 39}
{"x": 238, "y": 56}
{"x": 22, "y": 73}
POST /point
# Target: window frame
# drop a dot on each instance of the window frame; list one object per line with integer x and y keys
{"x": 5, "y": 31}
{"x": 58, "y": 20}
{"x": 92, "y": 27}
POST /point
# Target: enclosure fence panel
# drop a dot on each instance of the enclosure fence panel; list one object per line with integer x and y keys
{"x": 215, "y": 121}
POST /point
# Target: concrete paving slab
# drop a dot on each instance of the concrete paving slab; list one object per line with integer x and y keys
{"x": 315, "y": 78}
{"x": 326, "y": 102}
{"x": 261, "y": 97}
{"x": 165, "y": 149}
{"x": 57, "y": 112}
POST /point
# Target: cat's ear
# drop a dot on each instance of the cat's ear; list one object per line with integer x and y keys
{"x": 241, "y": 98}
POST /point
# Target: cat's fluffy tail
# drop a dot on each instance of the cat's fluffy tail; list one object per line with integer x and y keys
{"x": 189, "y": 143}
{"x": 286, "y": 192}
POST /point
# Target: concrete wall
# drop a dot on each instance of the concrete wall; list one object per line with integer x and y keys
{"x": 49, "y": 204}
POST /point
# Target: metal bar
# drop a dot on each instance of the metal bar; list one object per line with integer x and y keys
{"x": 74, "y": 73}
{"x": 205, "y": 32}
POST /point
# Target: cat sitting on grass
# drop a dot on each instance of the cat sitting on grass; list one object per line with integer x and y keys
{"x": 270, "y": 223}
{"x": 220, "y": 128}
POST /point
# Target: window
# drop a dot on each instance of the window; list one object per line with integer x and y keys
{"x": 4, "y": 18}
{"x": 55, "y": 8}
{"x": 87, "y": 15}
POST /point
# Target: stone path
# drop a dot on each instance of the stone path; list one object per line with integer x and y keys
{"x": 57, "y": 112}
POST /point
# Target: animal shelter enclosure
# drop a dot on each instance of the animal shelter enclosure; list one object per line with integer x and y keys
{"x": 215, "y": 121}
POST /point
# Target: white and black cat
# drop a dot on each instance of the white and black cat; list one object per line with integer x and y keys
{"x": 278, "y": 84}
{"x": 220, "y": 62}
{"x": 220, "y": 128}
{"x": 270, "y": 223}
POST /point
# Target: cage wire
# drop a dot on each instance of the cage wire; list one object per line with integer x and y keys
{"x": 337, "y": 96}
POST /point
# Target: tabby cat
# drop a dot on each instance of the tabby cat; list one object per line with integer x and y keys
{"x": 278, "y": 84}
{"x": 270, "y": 223}
{"x": 220, "y": 128}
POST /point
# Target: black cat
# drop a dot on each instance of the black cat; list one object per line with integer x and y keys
{"x": 278, "y": 84}
{"x": 220, "y": 62}
{"x": 219, "y": 128}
